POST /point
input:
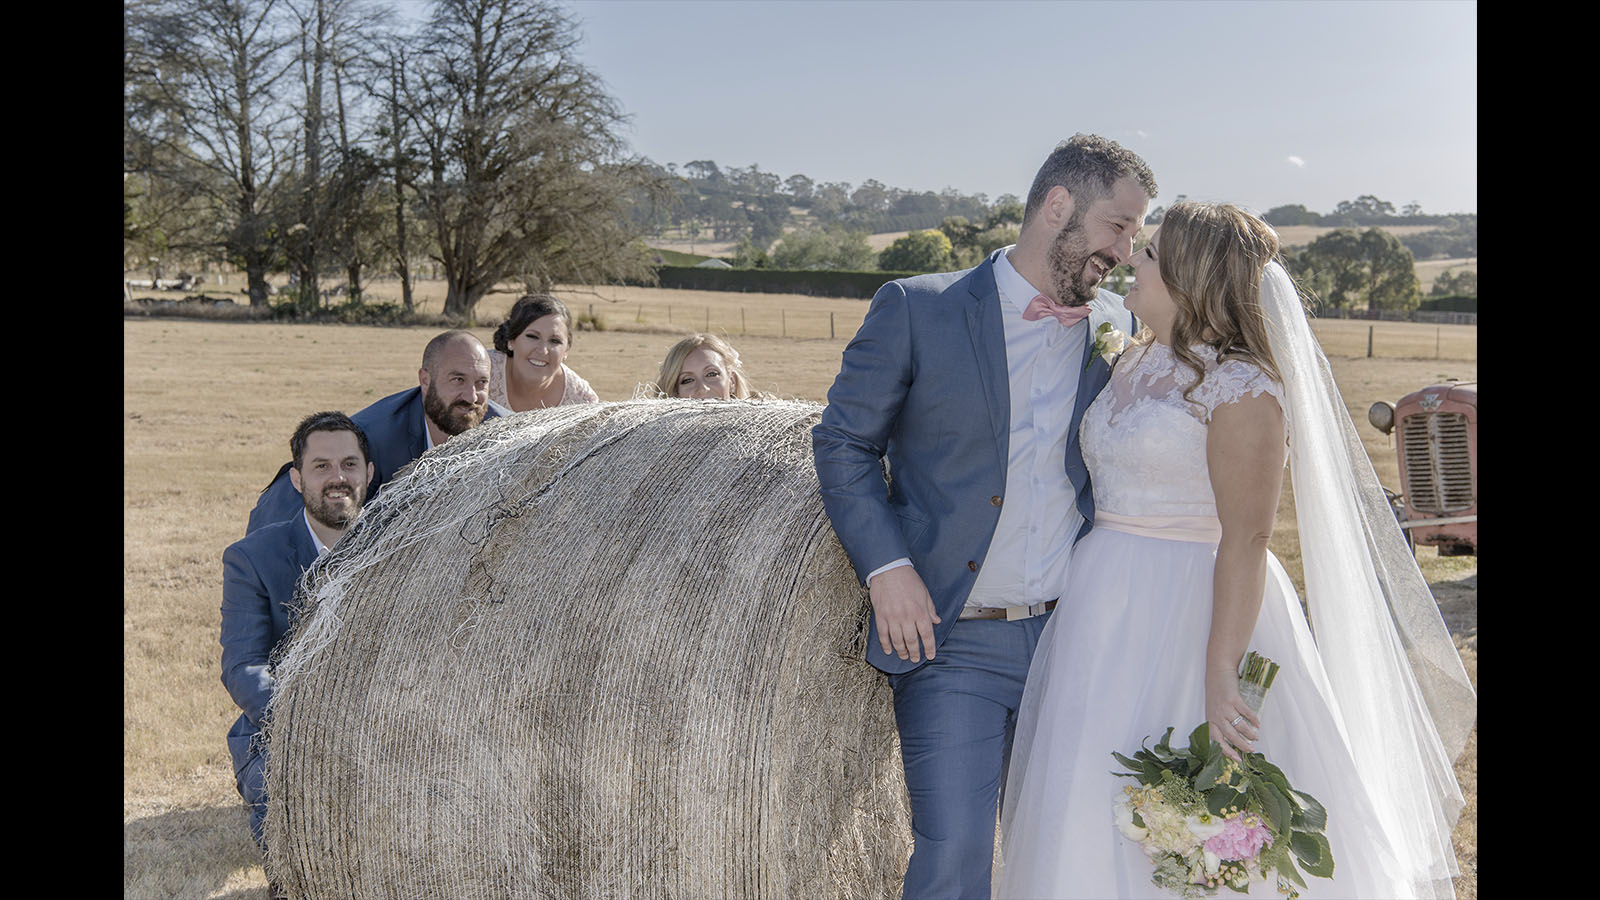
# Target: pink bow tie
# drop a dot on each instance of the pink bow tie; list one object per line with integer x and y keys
{"x": 1041, "y": 306}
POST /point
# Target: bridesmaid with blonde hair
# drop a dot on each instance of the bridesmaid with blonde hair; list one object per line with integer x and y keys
{"x": 702, "y": 367}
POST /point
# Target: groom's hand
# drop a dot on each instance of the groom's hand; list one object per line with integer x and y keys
{"x": 904, "y": 613}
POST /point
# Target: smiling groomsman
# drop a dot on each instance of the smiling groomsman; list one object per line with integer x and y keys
{"x": 331, "y": 470}
{"x": 451, "y": 396}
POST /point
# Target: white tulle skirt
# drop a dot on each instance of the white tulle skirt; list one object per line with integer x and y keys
{"x": 1121, "y": 660}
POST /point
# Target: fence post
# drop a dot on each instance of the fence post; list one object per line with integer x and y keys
{"x": 708, "y": 318}
{"x": 830, "y": 325}
{"x": 785, "y": 314}
{"x": 669, "y": 317}
{"x": 1369, "y": 341}
{"x": 741, "y": 321}
{"x": 640, "y": 316}
{"x": 1435, "y": 342}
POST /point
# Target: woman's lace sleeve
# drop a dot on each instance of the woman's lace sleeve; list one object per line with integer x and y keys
{"x": 1233, "y": 380}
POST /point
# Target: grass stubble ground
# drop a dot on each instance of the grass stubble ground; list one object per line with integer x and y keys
{"x": 207, "y": 410}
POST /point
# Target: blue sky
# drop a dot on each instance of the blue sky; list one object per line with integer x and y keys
{"x": 1261, "y": 103}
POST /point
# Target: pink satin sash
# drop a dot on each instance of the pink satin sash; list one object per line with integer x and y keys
{"x": 1200, "y": 529}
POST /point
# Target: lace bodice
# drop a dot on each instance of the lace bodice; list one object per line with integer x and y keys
{"x": 1145, "y": 444}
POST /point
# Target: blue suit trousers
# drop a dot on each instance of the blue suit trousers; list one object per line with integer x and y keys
{"x": 956, "y": 714}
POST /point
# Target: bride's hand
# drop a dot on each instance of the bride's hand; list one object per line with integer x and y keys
{"x": 1224, "y": 707}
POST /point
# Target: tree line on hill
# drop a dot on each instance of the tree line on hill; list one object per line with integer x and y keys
{"x": 733, "y": 203}
{"x": 319, "y": 137}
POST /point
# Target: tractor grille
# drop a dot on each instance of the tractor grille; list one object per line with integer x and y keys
{"x": 1438, "y": 462}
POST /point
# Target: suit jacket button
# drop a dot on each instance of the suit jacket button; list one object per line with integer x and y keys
{"x": 995, "y": 501}
{"x": 972, "y": 564}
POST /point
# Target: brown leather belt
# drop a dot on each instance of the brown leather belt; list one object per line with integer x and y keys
{"x": 1009, "y": 613}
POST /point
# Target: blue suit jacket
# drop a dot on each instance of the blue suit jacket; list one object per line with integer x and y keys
{"x": 259, "y": 573}
{"x": 924, "y": 384}
{"x": 396, "y": 435}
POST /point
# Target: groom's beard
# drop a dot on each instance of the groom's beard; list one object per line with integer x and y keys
{"x": 1072, "y": 282}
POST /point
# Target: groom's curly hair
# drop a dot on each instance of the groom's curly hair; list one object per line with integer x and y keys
{"x": 1087, "y": 165}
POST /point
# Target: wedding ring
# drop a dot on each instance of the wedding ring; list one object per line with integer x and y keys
{"x": 1236, "y": 721}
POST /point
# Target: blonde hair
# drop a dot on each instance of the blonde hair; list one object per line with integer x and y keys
{"x": 1211, "y": 258}
{"x": 672, "y": 367}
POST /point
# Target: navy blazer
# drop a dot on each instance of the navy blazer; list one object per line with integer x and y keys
{"x": 396, "y": 435}
{"x": 259, "y": 573}
{"x": 924, "y": 384}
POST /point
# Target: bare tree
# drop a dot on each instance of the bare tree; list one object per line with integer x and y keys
{"x": 336, "y": 41}
{"x": 399, "y": 159}
{"x": 209, "y": 72}
{"x": 526, "y": 180}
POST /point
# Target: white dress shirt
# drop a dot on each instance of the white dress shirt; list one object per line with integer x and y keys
{"x": 315, "y": 541}
{"x": 1027, "y": 559}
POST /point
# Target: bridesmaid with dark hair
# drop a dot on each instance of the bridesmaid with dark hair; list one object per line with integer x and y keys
{"x": 528, "y": 366}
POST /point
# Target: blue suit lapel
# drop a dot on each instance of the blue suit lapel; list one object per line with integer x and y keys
{"x": 411, "y": 418}
{"x": 989, "y": 345}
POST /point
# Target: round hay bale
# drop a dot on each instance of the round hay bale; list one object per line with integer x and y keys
{"x": 606, "y": 650}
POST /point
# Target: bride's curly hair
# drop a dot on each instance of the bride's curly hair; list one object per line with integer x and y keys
{"x": 1211, "y": 259}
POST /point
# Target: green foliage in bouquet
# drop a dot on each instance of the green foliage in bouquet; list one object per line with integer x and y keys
{"x": 1191, "y": 795}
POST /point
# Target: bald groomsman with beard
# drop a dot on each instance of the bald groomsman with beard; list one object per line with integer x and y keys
{"x": 451, "y": 396}
{"x": 330, "y": 471}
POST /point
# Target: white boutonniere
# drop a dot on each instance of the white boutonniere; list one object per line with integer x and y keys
{"x": 1109, "y": 342}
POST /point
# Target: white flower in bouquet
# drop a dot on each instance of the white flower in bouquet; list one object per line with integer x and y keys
{"x": 1123, "y": 810}
{"x": 1205, "y": 828}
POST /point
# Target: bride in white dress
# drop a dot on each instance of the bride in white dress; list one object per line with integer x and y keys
{"x": 1175, "y": 584}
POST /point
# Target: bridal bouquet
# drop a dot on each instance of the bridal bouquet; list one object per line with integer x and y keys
{"x": 1206, "y": 821}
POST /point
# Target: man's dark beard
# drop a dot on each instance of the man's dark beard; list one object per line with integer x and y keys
{"x": 323, "y": 511}
{"x": 1069, "y": 256}
{"x": 453, "y": 419}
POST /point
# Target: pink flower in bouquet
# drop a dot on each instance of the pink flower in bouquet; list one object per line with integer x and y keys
{"x": 1239, "y": 838}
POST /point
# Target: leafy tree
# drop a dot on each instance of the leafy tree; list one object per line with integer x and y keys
{"x": 970, "y": 244}
{"x": 830, "y": 200}
{"x": 747, "y": 255}
{"x": 1295, "y": 214}
{"x": 1007, "y": 211}
{"x": 526, "y": 176}
{"x": 1460, "y": 283}
{"x": 919, "y": 251}
{"x": 799, "y": 187}
{"x": 703, "y": 170}
{"x": 872, "y": 197}
{"x": 1350, "y": 268}
{"x": 1391, "y": 273}
{"x": 1364, "y": 210}
{"x": 828, "y": 248}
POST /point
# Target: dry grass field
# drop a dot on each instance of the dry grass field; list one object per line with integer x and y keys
{"x": 207, "y": 410}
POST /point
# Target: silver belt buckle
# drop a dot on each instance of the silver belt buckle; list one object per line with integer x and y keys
{"x": 1014, "y": 613}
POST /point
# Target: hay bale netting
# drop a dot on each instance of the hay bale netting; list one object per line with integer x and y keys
{"x": 603, "y": 650}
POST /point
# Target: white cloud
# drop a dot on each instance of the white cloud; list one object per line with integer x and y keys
{"x": 1298, "y": 162}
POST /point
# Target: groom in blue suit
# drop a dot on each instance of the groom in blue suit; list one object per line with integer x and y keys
{"x": 452, "y": 395}
{"x": 330, "y": 471}
{"x": 963, "y": 391}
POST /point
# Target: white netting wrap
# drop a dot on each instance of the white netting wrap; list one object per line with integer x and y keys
{"x": 604, "y": 650}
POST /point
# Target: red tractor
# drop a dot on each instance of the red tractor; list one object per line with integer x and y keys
{"x": 1436, "y": 435}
